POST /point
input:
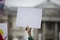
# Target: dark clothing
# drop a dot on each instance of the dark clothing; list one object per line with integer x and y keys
{"x": 1, "y": 38}
{"x": 1, "y": 0}
{"x": 1, "y": 6}
{"x": 30, "y": 38}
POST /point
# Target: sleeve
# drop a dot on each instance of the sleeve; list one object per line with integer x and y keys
{"x": 26, "y": 36}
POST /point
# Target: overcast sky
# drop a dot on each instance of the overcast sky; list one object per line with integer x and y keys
{"x": 26, "y": 3}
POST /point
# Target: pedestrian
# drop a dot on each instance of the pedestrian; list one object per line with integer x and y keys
{"x": 28, "y": 29}
{"x": 1, "y": 35}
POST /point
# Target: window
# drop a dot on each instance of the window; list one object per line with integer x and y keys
{"x": 50, "y": 25}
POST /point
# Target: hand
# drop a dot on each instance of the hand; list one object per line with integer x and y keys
{"x": 5, "y": 37}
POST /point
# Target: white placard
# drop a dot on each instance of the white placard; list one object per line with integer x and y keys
{"x": 29, "y": 17}
{"x": 3, "y": 27}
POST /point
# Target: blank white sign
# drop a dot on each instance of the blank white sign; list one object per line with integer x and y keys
{"x": 29, "y": 17}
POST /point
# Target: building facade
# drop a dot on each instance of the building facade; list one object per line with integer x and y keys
{"x": 50, "y": 20}
{"x": 50, "y": 26}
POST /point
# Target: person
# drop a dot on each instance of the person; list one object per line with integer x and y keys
{"x": 28, "y": 29}
{"x": 26, "y": 33}
{"x": 1, "y": 37}
{"x": 1, "y": 33}
{"x": 30, "y": 36}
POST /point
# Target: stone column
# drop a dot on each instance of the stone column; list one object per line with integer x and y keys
{"x": 56, "y": 31}
{"x": 35, "y": 34}
{"x": 9, "y": 28}
{"x": 44, "y": 31}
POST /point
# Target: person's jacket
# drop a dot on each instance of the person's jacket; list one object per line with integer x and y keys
{"x": 1, "y": 37}
{"x": 30, "y": 38}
